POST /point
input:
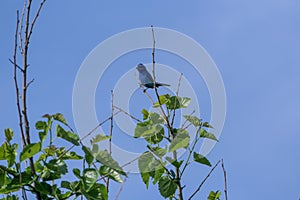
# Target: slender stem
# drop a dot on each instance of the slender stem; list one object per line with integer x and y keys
{"x": 203, "y": 181}
{"x": 110, "y": 132}
{"x": 120, "y": 189}
{"x": 16, "y": 82}
{"x": 126, "y": 113}
{"x": 191, "y": 151}
{"x": 177, "y": 92}
{"x": 88, "y": 134}
{"x": 169, "y": 125}
{"x": 225, "y": 180}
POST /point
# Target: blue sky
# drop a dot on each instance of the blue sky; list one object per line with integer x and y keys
{"x": 255, "y": 45}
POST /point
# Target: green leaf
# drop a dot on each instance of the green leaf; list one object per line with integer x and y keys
{"x": 10, "y": 171}
{"x": 67, "y": 135}
{"x": 41, "y": 125}
{"x": 206, "y": 124}
{"x": 110, "y": 173}
{"x": 155, "y": 118}
{"x": 10, "y": 197}
{"x": 193, "y": 119}
{"x": 145, "y": 177}
{"x": 178, "y": 102}
{"x": 25, "y": 178}
{"x": 181, "y": 140}
{"x": 2, "y": 152}
{"x": 30, "y": 150}
{"x": 144, "y": 163}
{"x": 163, "y": 99}
{"x": 58, "y": 166}
{"x": 97, "y": 192}
{"x": 157, "y": 174}
{"x": 105, "y": 158}
{"x": 88, "y": 155}
{"x": 65, "y": 184}
{"x": 99, "y": 138}
{"x": 201, "y": 159}
{"x": 205, "y": 134}
{"x": 174, "y": 162}
{"x": 8, "y": 152}
{"x": 59, "y": 117}
{"x": 71, "y": 156}
{"x": 90, "y": 177}
{"x": 145, "y": 114}
{"x": 166, "y": 187}
{"x": 156, "y": 138}
{"x": 9, "y": 134}
{"x": 160, "y": 152}
{"x": 76, "y": 172}
{"x": 3, "y": 179}
{"x": 214, "y": 195}
{"x": 146, "y": 130}
{"x": 43, "y": 187}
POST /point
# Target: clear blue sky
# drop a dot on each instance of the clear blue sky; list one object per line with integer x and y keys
{"x": 255, "y": 45}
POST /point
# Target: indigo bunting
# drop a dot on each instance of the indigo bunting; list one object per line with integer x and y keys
{"x": 146, "y": 78}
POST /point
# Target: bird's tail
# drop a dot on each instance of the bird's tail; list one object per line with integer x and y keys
{"x": 161, "y": 84}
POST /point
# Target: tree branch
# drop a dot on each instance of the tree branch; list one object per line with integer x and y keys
{"x": 225, "y": 180}
{"x": 16, "y": 81}
{"x": 35, "y": 18}
{"x": 169, "y": 125}
{"x": 110, "y": 133}
{"x": 203, "y": 181}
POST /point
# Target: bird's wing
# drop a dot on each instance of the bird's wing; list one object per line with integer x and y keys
{"x": 145, "y": 77}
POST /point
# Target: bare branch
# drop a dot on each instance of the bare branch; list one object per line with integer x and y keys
{"x": 21, "y": 28}
{"x": 126, "y": 113}
{"x": 110, "y": 132}
{"x": 16, "y": 81}
{"x": 35, "y": 18}
{"x": 225, "y": 180}
{"x": 203, "y": 181}
{"x": 169, "y": 125}
{"x": 28, "y": 84}
{"x": 16, "y": 65}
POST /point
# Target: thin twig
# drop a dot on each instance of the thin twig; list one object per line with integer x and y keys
{"x": 197, "y": 137}
{"x": 225, "y": 180}
{"x": 88, "y": 134}
{"x": 28, "y": 84}
{"x": 164, "y": 115}
{"x": 122, "y": 166}
{"x": 154, "y": 80}
{"x": 120, "y": 189}
{"x": 35, "y": 18}
{"x": 203, "y": 181}
{"x": 126, "y": 113}
{"x": 16, "y": 65}
{"x": 21, "y": 28}
{"x": 183, "y": 124}
{"x": 110, "y": 132}
{"x": 16, "y": 82}
{"x": 177, "y": 92}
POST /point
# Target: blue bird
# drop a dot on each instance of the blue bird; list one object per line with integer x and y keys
{"x": 146, "y": 78}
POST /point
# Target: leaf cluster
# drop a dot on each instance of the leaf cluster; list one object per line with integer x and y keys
{"x": 51, "y": 164}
